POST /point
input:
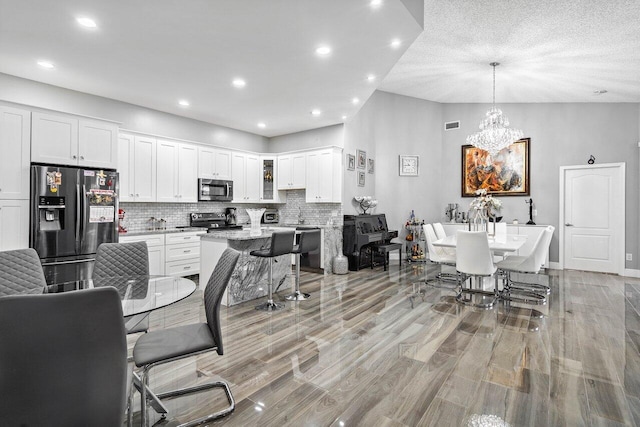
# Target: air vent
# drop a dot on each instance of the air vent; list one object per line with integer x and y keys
{"x": 452, "y": 125}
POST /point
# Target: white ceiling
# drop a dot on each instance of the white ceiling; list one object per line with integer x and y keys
{"x": 155, "y": 53}
{"x": 549, "y": 50}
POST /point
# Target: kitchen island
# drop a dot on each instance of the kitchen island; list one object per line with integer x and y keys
{"x": 250, "y": 278}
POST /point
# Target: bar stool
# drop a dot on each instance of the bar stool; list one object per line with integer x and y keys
{"x": 281, "y": 244}
{"x": 309, "y": 242}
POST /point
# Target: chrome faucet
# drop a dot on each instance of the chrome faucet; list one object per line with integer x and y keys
{"x": 300, "y": 219}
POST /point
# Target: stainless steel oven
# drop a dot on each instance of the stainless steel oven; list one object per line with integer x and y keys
{"x": 215, "y": 190}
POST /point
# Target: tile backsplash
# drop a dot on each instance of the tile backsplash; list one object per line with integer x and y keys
{"x": 138, "y": 215}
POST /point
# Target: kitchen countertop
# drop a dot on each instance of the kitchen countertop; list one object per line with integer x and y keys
{"x": 164, "y": 231}
{"x": 265, "y": 231}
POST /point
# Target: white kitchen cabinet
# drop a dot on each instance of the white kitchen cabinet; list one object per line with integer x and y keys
{"x": 324, "y": 176}
{"x": 246, "y": 177}
{"x": 97, "y": 144}
{"x": 14, "y": 224}
{"x": 15, "y": 136}
{"x": 176, "y": 177}
{"x": 291, "y": 171}
{"x": 268, "y": 182}
{"x": 171, "y": 254}
{"x": 137, "y": 168}
{"x": 182, "y": 253}
{"x": 214, "y": 163}
{"x": 69, "y": 140}
{"x": 155, "y": 246}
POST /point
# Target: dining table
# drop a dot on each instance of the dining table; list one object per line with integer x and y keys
{"x": 139, "y": 295}
{"x": 505, "y": 243}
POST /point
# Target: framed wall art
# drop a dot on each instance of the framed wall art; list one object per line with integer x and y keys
{"x": 360, "y": 179}
{"x": 370, "y": 165}
{"x": 361, "y": 157}
{"x": 351, "y": 162}
{"x": 409, "y": 165}
{"x": 505, "y": 174}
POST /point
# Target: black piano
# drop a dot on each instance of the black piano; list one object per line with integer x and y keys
{"x": 360, "y": 234}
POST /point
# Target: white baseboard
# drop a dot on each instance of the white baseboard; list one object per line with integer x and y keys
{"x": 629, "y": 272}
{"x": 554, "y": 265}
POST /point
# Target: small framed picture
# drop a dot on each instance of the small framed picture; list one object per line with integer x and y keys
{"x": 362, "y": 159}
{"x": 370, "y": 165}
{"x": 351, "y": 162}
{"x": 409, "y": 165}
{"x": 360, "y": 179}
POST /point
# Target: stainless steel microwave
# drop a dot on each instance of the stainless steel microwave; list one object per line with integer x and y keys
{"x": 215, "y": 190}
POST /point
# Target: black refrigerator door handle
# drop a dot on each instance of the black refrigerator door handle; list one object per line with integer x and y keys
{"x": 78, "y": 218}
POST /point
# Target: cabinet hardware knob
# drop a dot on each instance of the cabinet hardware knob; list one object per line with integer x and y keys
{"x": 569, "y": 225}
{"x": 187, "y": 268}
{"x": 130, "y": 195}
{"x": 137, "y": 195}
{"x": 81, "y": 157}
{"x": 186, "y": 252}
{"x": 74, "y": 156}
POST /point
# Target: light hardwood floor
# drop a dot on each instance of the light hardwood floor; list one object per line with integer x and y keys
{"x": 365, "y": 350}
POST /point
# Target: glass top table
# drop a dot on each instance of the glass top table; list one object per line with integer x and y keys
{"x": 139, "y": 294}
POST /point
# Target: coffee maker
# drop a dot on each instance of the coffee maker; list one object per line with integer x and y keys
{"x": 231, "y": 216}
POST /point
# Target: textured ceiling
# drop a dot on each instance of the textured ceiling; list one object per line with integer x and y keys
{"x": 153, "y": 53}
{"x": 549, "y": 50}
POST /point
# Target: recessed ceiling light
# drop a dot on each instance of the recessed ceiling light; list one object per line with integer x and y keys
{"x": 262, "y": 125}
{"x": 355, "y": 101}
{"x": 239, "y": 83}
{"x": 375, "y": 3}
{"x": 184, "y": 103}
{"x": 600, "y": 91}
{"x": 86, "y": 22}
{"x": 316, "y": 112}
{"x": 395, "y": 43}
{"x": 371, "y": 78}
{"x": 46, "y": 64}
{"x": 323, "y": 50}
{"x": 344, "y": 117}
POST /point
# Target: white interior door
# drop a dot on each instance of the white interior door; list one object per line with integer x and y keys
{"x": 592, "y": 217}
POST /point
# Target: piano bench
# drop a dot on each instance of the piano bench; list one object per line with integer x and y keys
{"x": 385, "y": 248}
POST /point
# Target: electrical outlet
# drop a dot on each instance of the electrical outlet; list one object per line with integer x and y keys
{"x": 629, "y": 257}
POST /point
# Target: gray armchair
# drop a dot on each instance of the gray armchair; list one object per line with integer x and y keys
{"x": 63, "y": 359}
{"x": 124, "y": 259}
{"x": 21, "y": 273}
{"x": 167, "y": 345}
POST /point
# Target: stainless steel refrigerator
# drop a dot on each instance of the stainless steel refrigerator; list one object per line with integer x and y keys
{"x": 73, "y": 211}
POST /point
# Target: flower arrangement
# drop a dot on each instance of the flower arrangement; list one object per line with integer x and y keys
{"x": 485, "y": 202}
{"x": 366, "y": 203}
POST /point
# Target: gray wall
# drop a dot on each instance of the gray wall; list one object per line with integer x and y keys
{"x": 387, "y": 126}
{"x": 314, "y": 138}
{"x": 561, "y": 135}
{"x": 132, "y": 117}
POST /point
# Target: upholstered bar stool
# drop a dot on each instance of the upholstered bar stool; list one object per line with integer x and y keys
{"x": 281, "y": 244}
{"x": 309, "y": 242}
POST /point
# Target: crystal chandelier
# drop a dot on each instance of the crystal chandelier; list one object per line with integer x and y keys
{"x": 495, "y": 133}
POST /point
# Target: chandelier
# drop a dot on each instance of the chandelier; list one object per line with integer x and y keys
{"x": 495, "y": 133}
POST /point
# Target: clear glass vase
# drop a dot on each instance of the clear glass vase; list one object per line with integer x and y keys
{"x": 255, "y": 215}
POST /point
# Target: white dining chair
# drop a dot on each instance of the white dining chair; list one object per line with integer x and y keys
{"x": 474, "y": 259}
{"x": 531, "y": 293}
{"x": 439, "y": 229}
{"x": 439, "y": 255}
